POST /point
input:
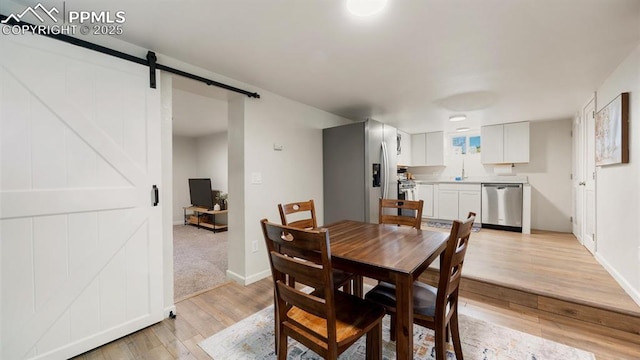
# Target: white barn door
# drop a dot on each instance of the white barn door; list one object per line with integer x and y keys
{"x": 81, "y": 242}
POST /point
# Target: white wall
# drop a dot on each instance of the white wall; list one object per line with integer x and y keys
{"x": 295, "y": 173}
{"x": 184, "y": 167}
{"x": 548, "y": 170}
{"x": 211, "y": 159}
{"x": 617, "y": 195}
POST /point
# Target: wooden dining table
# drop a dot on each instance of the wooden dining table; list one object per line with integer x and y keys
{"x": 388, "y": 253}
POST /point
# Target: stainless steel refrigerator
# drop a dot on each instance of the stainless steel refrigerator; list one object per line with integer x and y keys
{"x": 359, "y": 167}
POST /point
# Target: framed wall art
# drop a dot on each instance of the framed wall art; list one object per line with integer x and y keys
{"x": 612, "y": 132}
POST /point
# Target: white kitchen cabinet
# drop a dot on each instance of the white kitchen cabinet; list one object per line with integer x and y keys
{"x": 456, "y": 200}
{"x": 516, "y": 142}
{"x": 404, "y": 148}
{"x": 469, "y": 201}
{"x": 505, "y": 143}
{"x": 427, "y": 149}
{"x": 418, "y": 149}
{"x": 492, "y": 144}
{"x": 425, "y": 192}
{"x": 434, "y": 149}
{"x": 448, "y": 204}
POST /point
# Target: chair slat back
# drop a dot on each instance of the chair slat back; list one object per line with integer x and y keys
{"x": 290, "y": 214}
{"x": 304, "y": 255}
{"x": 451, "y": 266}
{"x": 308, "y": 272}
{"x": 415, "y": 205}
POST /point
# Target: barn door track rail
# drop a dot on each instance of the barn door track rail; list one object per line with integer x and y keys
{"x": 150, "y": 61}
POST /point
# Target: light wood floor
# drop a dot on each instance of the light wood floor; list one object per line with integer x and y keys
{"x": 554, "y": 263}
{"x": 549, "y": 263}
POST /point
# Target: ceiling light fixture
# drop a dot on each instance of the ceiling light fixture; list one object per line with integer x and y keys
{"x": 461, "y": 129}
{"x": 365, "y": 7}
{"x": 457, "y": 117}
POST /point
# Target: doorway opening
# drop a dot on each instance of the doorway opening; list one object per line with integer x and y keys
{"x": 200, "y": 150}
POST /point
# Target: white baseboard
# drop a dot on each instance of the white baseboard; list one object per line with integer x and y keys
{"x": 235, "y": 277}
{"x": 634, "y": 293}
{"x": 178, "y": 222}
{"x": 249, "y": 279}
{"x": 257, "y": 277}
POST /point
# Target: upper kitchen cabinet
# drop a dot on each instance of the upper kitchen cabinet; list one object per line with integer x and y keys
{"x": 418, "y": 149}
{"x": 505, "y": 143}
{"x": 427, "y": 149}
{"x": 435, "y": 148}
{"x": 516, "y": 142}
{"x": 404, "y": 148}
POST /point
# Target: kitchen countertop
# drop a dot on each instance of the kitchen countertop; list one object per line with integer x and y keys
{"x": 511, "y": 179}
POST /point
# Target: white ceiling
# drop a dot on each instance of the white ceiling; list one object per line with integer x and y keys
{"x": 412, "y": 65}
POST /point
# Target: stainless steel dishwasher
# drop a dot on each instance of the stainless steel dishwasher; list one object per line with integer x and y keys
{"x": 502, "y": 206}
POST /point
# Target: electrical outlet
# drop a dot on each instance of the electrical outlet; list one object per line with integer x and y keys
{"x": 254, "y": 246}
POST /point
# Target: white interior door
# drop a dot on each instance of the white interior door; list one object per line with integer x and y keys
{"x": 578, "y": 176}
{"x": 589, "y": 180}
{"x": 81, "y": 243}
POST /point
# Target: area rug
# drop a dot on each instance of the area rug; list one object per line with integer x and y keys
{"x": 253, "y": 338}
{"x": 199, "y": 260}
{"x": 447, "y": 225}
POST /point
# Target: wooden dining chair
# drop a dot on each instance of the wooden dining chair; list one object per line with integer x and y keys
{"x": 397, "y": 206}
{"x": 302, "y": 215}
{"x": 435, "y": 308}
{"x": 326, "y": 321}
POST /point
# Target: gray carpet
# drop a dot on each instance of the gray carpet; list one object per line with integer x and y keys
{"x": 199, "y": 260}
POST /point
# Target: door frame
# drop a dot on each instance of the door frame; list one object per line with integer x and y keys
{"x": 584, "y": 178}
{"x": 577, "y": 175}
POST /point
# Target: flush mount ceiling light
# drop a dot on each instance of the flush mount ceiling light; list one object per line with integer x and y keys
{"x": 457, "y": 117}
{"x": 461, "y": 129}
{"x": 365, "y": 7}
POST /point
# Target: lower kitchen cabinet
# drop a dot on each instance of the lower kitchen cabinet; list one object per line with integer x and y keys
{"x": 469, "y": 201}
{"x": 456, "y": 200}
{"x": 425, "y": 192}
{"x": 448, "y": 204}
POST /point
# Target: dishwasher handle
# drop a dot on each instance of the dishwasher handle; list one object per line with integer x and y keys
{"x": 502, "y": 186}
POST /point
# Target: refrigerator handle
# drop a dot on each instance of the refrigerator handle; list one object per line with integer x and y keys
{"x": 385, "y": 170}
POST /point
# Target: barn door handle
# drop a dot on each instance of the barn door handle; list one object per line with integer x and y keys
{"x": 156, "y": 196}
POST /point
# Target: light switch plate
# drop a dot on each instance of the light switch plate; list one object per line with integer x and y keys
{"x": 256, "y": 178}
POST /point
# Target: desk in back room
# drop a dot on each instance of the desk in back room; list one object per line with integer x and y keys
{"x": 199, "y": 217}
